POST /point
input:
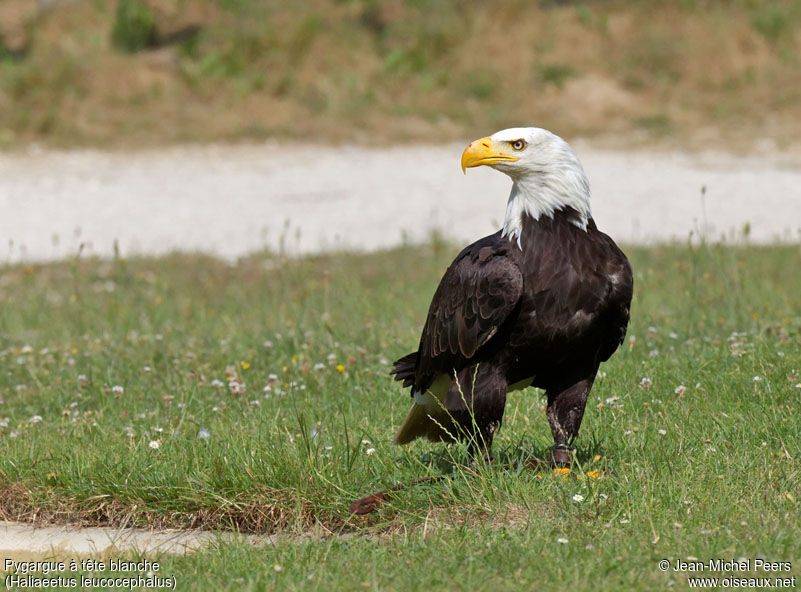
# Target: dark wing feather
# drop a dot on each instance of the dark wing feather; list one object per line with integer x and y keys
{"x": 475, "y": 297}
{"x": 618, "y": 303}
{"x": 403, "y": 369}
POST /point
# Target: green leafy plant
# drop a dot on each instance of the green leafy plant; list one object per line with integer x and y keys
{"x": 771, "y": 22}
{"x": 134, "y": 26}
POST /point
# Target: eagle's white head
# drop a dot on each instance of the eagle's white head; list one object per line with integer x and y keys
{"x": 546, "y": 175}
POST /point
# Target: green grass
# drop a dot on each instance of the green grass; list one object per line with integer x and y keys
{"x": 720, "y": 482}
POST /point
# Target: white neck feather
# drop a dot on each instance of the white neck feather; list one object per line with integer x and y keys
{"x": 545, "y": 193}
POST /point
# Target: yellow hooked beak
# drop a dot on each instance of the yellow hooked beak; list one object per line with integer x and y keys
{"x": 484, "y": 151}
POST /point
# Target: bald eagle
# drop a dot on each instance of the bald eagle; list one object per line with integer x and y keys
{"x": 542, "y": 302}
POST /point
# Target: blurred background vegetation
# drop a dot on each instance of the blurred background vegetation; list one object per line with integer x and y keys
{"x": 120, "y": 73}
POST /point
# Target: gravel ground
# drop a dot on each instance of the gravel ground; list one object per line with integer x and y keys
{"x": 232, "y": 200}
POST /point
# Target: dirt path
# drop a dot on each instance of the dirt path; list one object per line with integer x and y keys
{"x": 233, "y": 200}
{"x": 23, "y": 542}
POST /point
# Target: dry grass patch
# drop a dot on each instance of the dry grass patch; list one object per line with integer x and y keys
{"x": 726, "y": 73}
{"x": 262, "y": 511}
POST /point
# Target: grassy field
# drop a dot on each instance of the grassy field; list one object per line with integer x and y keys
{"x": 721, "y": 73}
{"x": 182, "y": 391}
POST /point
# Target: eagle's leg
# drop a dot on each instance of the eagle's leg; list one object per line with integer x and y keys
{"x": 476, "y": 401}
{"x": 565, "y": 411}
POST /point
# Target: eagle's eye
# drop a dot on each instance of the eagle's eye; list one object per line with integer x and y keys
{"x": 518, "y": 144}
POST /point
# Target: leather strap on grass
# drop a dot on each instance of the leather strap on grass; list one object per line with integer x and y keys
{"x": 369, "y": 504}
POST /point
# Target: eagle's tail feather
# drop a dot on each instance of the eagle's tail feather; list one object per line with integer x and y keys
{"x": 403, "y": 369}
{"x": 425, "y": 421}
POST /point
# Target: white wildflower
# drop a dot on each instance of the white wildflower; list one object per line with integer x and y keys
{"x": 117, "y": 389}
{"x": 35, "y": 419}
{"x": 645, "y": 383}
{"x": 370, "y": 451}
{"x": 562, "y": 540}
{"x": 578, "y": 498}
{"x": 217, "y": 382}
{"x": 662, "y": 432}
{"x": 236, "y": 387}
{"x": 155, "y": 444}
{"x": 203, "y": 434}
{"x": 680, "y": 390}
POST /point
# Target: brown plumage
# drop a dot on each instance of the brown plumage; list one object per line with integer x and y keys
{"x": 541, "y": 305}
